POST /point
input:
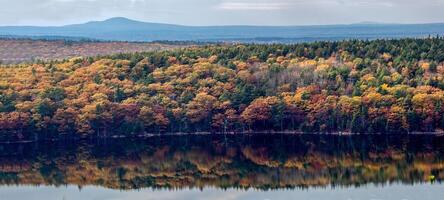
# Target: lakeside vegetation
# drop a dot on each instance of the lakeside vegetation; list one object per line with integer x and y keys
{"x": 379, "y": 86}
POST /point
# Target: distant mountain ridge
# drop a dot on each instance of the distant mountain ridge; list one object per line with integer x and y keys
{"x": 123, "y": 29}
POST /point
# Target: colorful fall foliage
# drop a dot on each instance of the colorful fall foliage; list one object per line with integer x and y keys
{"x": 356, "y": 86}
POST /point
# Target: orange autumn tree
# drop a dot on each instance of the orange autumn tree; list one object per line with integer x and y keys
{"x": 259, "y": 111}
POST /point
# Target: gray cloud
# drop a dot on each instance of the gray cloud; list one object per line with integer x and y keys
{"x": 221, "y": 12}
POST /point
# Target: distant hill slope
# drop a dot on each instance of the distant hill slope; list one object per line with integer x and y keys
{"x": 131, "y": 30}
{"x": 26, "y": 50}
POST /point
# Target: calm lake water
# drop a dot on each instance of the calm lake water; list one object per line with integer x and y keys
{"x": 227, "y": 167}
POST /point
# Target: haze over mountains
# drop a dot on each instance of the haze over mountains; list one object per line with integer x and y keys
{"x": 123, "y": 29}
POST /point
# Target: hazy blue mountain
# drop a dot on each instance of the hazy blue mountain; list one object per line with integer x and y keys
{"x": 130, "y": 30}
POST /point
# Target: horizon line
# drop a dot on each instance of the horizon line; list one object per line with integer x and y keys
{"x": 363, "y": 23}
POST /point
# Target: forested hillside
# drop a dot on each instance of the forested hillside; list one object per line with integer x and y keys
{"x": 123, "y": 29}
{"x": 390, "y": 86}
{"x": 14, "y": 51}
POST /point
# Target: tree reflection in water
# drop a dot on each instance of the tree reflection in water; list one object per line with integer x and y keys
{"x": 261, "y": 161}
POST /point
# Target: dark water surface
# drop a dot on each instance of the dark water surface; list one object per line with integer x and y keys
{"x": 227, "y": 167}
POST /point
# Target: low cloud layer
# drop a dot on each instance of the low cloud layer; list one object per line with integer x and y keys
{"x": 222, "y": 12}
{"x": 253, "y": 6}
{"x": 286, "y": 5}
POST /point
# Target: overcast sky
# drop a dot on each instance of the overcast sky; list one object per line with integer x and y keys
{"x": 222, "y": 12}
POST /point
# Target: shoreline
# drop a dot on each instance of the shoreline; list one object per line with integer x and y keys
{"x": 245, "y": 133}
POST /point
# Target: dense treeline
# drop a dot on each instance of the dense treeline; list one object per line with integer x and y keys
{"x": 353, "y": 86}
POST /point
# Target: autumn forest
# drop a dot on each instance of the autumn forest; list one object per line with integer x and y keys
{"x": 354, "y": 86}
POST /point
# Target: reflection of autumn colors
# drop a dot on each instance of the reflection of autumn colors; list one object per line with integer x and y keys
{"x": 263, "y": 162}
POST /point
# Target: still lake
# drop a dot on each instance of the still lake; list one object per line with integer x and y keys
{"x": 367, "y": 167}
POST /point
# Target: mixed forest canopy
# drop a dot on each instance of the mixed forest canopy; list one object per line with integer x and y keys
{"x": 379, "y": 86}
